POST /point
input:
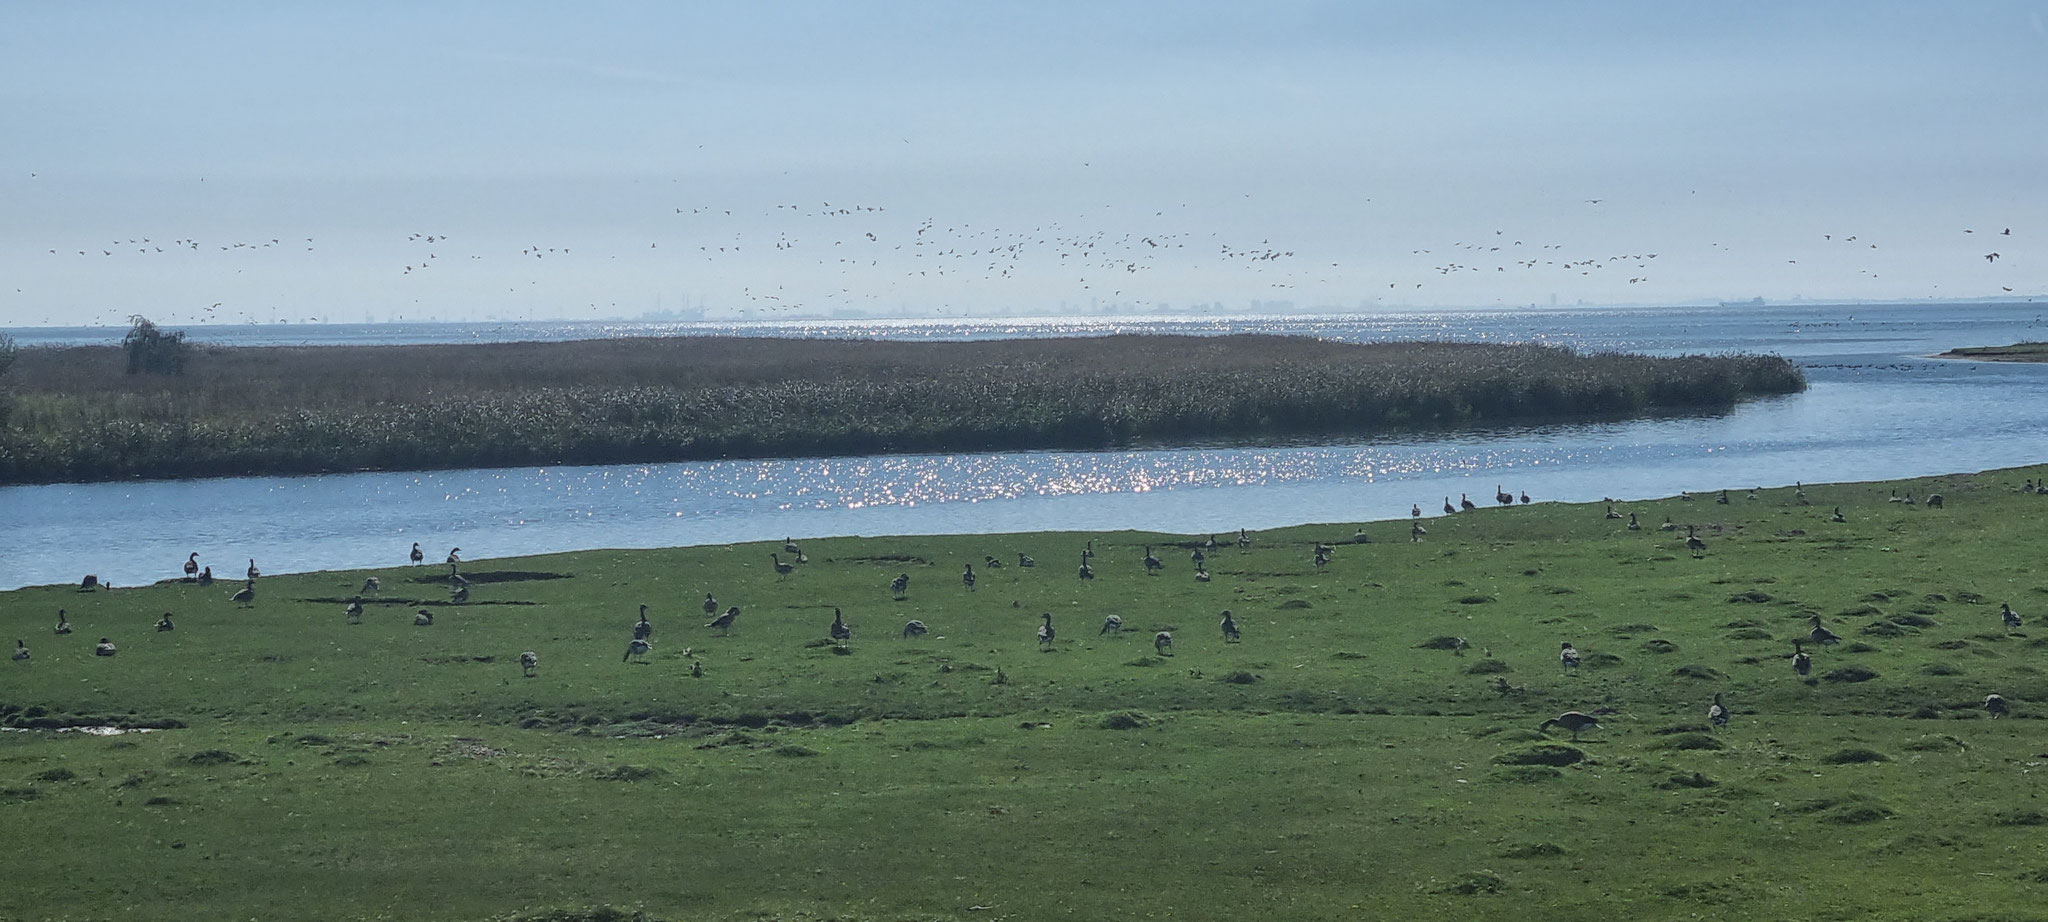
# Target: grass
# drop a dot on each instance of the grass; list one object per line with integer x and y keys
{"x": 75, "y": 416}
{"x": 2017, "y": 352}
{"x": 317, "y": 769}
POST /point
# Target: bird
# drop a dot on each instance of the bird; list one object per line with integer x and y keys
{"x": 370, "y": 585}
{"x": 1230, "y": 633}
{"x": 454, "y": 556}
{"x": 1112, "y": 624}
{"x": 1568, "y": 656}
{"x": 1991, "y": 257}
{"x": 1525, "y": 497}
{"x": 1934, "y": 501}
{"x": 253, "y": 572}
{"x": 104, "y": 648}
{"x": 246, "y": 595}
{"x": 696, "y": 669}
{"x": 1045, "y": 632}
{"x": 1025, "y": 560}
{"x": 1717, "y": 713}
{"x": 1152, "y": 564}
{"x": 1668, "y": 525}
{"x": 899, "y": 586}
{"x": 1611, "y": 513}
{"x": 1198, "y": 557}
{"x": 1838, "y": 517}
{"x": 1722, "y": 499}
{"x": 1695, "y": 543}
{"x": 1162, "y": 643}
{"x": 1201, "y": 575}
{"x": 967, "y": 577}
{"x": 1993, "y": 703}
{"x": 455, "y": 580}
{"x": 164, "y": 623}
{"x": 422, "y": 618}
{"x": 2010, "y": 617}
{"x": 710, "y": 604}
{"x": 1634, "y": 525}
{"x": 1088, "y": 550}
{"x": 789, "y": 546}
{"x": 1448, "y": 508}
{"x": 1244, "y": 540}
{"x": 1086, "y": 572}
{"x": 1503, "y": 497}
{"x": 915, "y": 629}
{"x": 1416, "y": 531}
{"x": 1802, "y": 664}
{"x": 458, "y": 595}
{"x": 990, "y": 562}
{"x": 206, "y": 576}
{"x": 21, "y": 653}
{"x": 1415, "y": 511}
{"x": 192, "y": 564}
{"x": 354, "y": 611}
{"x": 1465, "y": 502}
{"x": 529, "y": 663}
{"x": 1573, "y": 721}
{"x": 840, "y": 631}
{"x": 1821, "y": 635}
{"x": 643, "y": 628}
{"x": 724, "y": 622}
{"x": 782, "y": 569}
{"x": 417, "y": 554}
{"x": 638, "y": 647}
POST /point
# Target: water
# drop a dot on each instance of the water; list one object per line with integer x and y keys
{"x": 1876, "y": 409}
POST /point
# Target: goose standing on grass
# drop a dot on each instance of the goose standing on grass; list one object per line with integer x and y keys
{"x": 967, "y": 577}
{"x": 1993, "y": 703}
{"x": 529, "y": 663}
{"x": 915, "y": 629}
{"x": 458, "y": 595}
{"x": 1694, "y": 543}
{"x": 840, "y": 631}
{"x": 417, "y": 555}
{"x": 1025, "y": 560}
{"x": 1799, "y": 492}
{"x": 900, "y": 586}
{"x": 1525, "y": 497}
{"x": 104, "y": 648}
{"x": 1448, "y": 508}
{"x": 1152, "y": 564}
{"x": 370, "y": 586}
{"x": 1113, "y": 624}
{"x": 1162, "y": 643}
{"x": 1573, "y": 721}
{"x": 710, "y": 605}
{"x": 1934, "y": 501}
{"x": 1230, "y": 633}
{"x": 246, "y": 596}
{"x": 1668, "y": 525}
{"x": 1088, "y": 550}
{"x": 454, "y": 557}
{"x": 637, "y": 647}
{"x": 21, "y": 653}
{"x": 1415, "y": 511}
{"x": 63, "y": 624}
{"x": 1086, "y": 571}
{"x": 1503, "y": 497}
{"x": 1821, "y": 635}
{"x": 1198, "y": 558}
{"x": 1717, "y": 713}
{"x": 1802, "y": 664}
{"x": 782, "y": 569}
{"x": 1568, "y": 657}
{"x": 1244, "y": 540}
{"x": 354, "y": 611}
{"x": 423, "y": 618}
{"x": 2010, "y": 617}
{"x": 253, "y": 572}
{"x": 206, "y": 576}
{"x": 192, "y": 565}
{"x": 643, "y": 628}
{"x": 1416, "y": 531}
{"x": 724, "y": 622}
{"x": 1045, "y": 632}
{"x": 1633, "y": 524}
{"x": 789, "y": 546}
{"x": 164, "y": 623}
{"x": 696, "y": 669}
{"x": 1465, "y": 502}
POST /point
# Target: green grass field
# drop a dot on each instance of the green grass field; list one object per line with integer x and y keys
{"x": 1335, "y": 764}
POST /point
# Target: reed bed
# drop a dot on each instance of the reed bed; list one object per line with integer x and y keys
{"x": 73, "y": 415}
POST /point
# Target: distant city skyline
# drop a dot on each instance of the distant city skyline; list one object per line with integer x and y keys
{"x": 212, "y": 163}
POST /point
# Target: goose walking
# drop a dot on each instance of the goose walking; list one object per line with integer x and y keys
{"x": 1162, "y": 643}
{"x": 1694, "y": 543}
{"x": 1994, "y": 703}
{"x": 529, "y": 663}
{"x": 915, "y": 629}
{"x": 1152, "y": 564}
{"x": 1503, "y": 497}
{"x": 1821, "y": 635}
{"x": 724, "y": 622}
{"x": 104, "y": 648}
{"x": 782, "y": 569}
{"x": 1198, "y": 558}
{"x": 1717, "y": 713}
{"x": 1086, "y": 571}
{"x": 839, "y": 630}
{"x": 1112, "y": 624}
{"x": 1045, "y": 632}
{"x": 1573, "y": 721}
{"x": 1230, "y": 633}
{"x": 900, "y": 586}
{"x": 637, "y": 647}
{"x": 1934, "y": 501}
{"x": 643, "y": 628}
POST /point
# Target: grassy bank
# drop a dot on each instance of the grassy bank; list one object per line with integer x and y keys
{"x": 75, "y": 416}
{"x": 2017, "y": 352}
{"x": 1344, "y": 760}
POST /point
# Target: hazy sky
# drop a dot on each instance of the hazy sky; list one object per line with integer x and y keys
{"x": 289, "y": 161}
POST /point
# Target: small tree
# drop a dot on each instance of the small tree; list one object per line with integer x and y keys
{"x": 7, "y": 353}
{"x": 152, "y": 350}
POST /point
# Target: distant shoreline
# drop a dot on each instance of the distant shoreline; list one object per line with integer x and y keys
{"x": 2017, "y": 352}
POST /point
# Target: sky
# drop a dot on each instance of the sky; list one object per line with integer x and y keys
{"x": 210, "y": 163}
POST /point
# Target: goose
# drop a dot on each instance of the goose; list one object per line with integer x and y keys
{"x": 192, "y": 565}
{"x": 456, "y": 580}
{"x": 840, "y": 631}
{"x": 454, "y": 556}
{"x": 1045, "y": 632}
{"x": 1448, "y": 508}
{"x": 246, "y": 596}
{"x": 1503, "y": 497}
{"x": 1611, "y": 513}
{"x": 1568, "y": 656}
{"x": 1722, "y": 499}
{"x": 643, "y": 628}
{"x": 915, "y": 629}
{"x": 253, "y": 572}
{"x": 1573, "y": 721}
{"x": 1086, "y": 572}
{"x": 1198, "y": 557}
{"x": 422, "y": 618}
{"x": 1821, "y": 635}
{"x": 1230, "y": 633}
{"x": 1088, "y": 550}
{"x": 989, "y": 562}
{"x": 710, "y": 604}
{"x": 637, "y": 647}
{"x": 1717, "y": 713}
{"x": 1415, "y": 511}
{"x": 1162, "y": 643}
{"x": 1802, "y": 664}
{"x": 782, "y": 569}
{"x": 1025, "y": 560}
{"x": 458, "y": 595}
{"x": 418, "y": 556}
{"x": 1201, "y": 575}
{"x": 789, "y": 546}
{"x": 1799, "y": 493}
{"x": 1993, "y": 703}
{"x": 354, "y": 611}
{"x": 899, "y": 586}
{"x": 1525, "y": 497}
{"x": 724, "y": 622}
{"x": 967, "y": 577}
{"x": 164, "y": 623}
{"x": 1934, "y": 501}
{"x": 21, "y": 653}
{"x": 1152, "y": 564}
{"x": 1244, "y": 539}
{"x": 1416, "y": 531}
{"x": 1113, "y": 624}
{"x": 1685, "y": 497}
{"x": 1895, "y": 498}
{"x": 1634, "y": 525}
{"x": 696, "y": 669}
{"x": 63, "y": 624}
{"x": 2010, "y": 617}
{"x": 1360, "y": 537}
{"x": 206, "y": 576}
{"x": 1837, "y": 516}
{"x": 104, "y": 648}
{"x": 1668, "y": 525}
{"x": 1465, "y": 502}
{"x": 1694, "y": 543}
{"x": 370, "y": 585}
{"x": 1909, "y": 498}
{"x": 529, "y": 663}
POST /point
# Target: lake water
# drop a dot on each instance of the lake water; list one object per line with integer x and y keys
{"x": 1876, "y": 409}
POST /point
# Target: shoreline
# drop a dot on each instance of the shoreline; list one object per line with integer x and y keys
{"x": 2017, "y": 352}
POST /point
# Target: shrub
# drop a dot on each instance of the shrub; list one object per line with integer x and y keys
{"x": 152, "y": 350}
